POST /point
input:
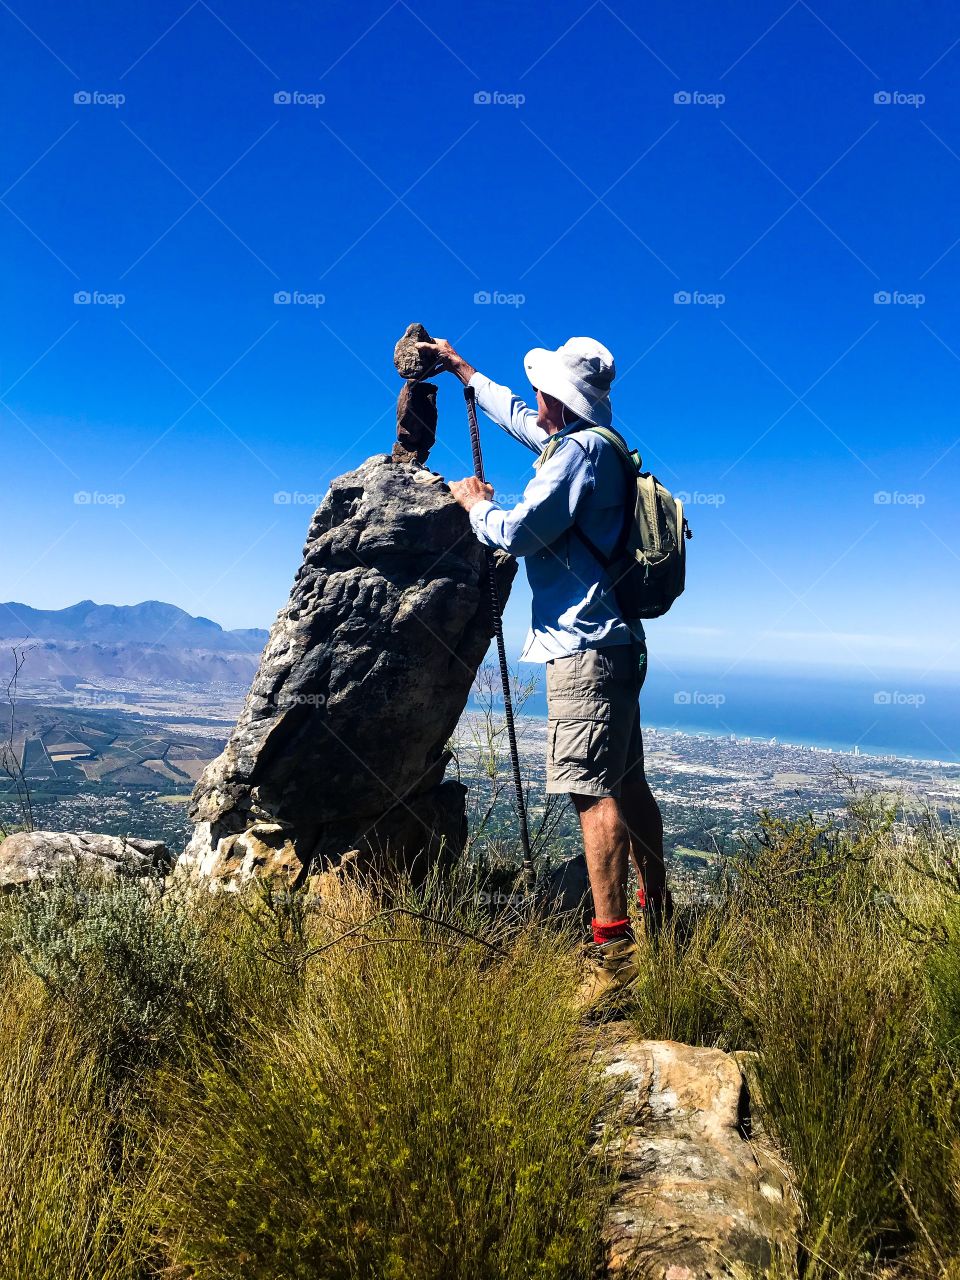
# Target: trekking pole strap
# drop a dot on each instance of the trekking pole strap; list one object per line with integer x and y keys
{"x": 496, "y": 610}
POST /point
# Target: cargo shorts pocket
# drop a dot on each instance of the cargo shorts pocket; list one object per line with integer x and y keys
{"x": 576, "y": 754}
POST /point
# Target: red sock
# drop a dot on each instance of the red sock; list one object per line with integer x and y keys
{"x": 610, "y": 930}
{"x": 661, "y": 905}
{"x": 664, "y": 900}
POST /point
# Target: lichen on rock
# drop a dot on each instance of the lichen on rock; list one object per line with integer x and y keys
{"x": 26, "y": 856}
{"x": 699, "y": 1195}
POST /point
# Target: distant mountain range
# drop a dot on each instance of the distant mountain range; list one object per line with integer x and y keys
{"x": 149, "y": 641}
{"x": 151, "y": 622}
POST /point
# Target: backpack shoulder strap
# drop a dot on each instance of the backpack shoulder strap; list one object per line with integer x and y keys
{"x": 632, "y": 462}
{"x": 630, "y": 457}
{"x": 548, "y": 450}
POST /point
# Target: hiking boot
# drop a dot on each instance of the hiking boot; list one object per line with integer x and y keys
{"x": 610, "y": 969}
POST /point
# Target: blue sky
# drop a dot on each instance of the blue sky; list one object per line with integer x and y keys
{"x": 734, "y": 154}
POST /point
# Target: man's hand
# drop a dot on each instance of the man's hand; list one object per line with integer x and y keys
{"x": 440, "y": 349}
{"x": 470, "y": 491}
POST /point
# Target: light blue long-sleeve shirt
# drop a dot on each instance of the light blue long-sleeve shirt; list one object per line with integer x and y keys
{"x": 584, "y": 481}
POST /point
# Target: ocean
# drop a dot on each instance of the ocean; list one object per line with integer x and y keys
{"x": 909, "y": 716}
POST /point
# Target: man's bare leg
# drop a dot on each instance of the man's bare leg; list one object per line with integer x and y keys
{"x": 645, "y": 825}
{"x": 606, "y": 844}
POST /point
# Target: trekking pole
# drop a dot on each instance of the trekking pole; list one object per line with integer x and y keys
{"x": 496, "y": 610}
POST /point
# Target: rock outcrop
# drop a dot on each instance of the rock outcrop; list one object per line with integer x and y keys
{"x": 35, "y": 855}
{"x": 567, "y": 892}
{"x": 341, "y": 744}
{"x": 700, "y": 1196}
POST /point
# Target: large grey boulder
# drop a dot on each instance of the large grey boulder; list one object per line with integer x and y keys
{"x": 342, "y": 742}
{"x": 702, "y": 1194}
{"x": 34, "y": 855}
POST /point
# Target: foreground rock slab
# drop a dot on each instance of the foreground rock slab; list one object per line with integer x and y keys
{"x": 34, "y": 855}
{"x": 341, "y": 745}
{"x": 699, "y": 1198}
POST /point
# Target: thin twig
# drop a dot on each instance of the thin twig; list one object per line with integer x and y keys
{"x": 403, "y": 911}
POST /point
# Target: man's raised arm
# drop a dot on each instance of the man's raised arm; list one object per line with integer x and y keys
{"x": 498, "y": 403}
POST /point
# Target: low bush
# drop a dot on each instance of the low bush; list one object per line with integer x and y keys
{"x": 75, "y": 1199}
{"x": 377, "y": 1082}
{"x": 133, "y": 964}
{"x": 371, "y": 1083}
{"x": 422, "y": 1113}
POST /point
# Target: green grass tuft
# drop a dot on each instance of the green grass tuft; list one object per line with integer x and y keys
{"x": 833, "y": 951}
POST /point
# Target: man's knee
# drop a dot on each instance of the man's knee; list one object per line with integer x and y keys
{"x": 600, "y": 814}
{"x": 584, "y": 803}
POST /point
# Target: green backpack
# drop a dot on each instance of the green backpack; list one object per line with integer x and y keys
{"x": 649, "y": 563}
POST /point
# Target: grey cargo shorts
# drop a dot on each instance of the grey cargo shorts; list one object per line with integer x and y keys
{"x": 593, "y": 719}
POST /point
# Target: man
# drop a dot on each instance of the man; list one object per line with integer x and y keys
{"x": 596, "y": 660}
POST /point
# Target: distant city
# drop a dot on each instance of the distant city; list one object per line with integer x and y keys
{"x": 122, "y": 756}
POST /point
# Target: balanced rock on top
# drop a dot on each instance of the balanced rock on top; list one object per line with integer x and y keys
{"x": 409, "y": 361}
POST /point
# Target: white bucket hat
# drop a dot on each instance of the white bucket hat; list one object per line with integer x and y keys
{"x": 578, "y": 374}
